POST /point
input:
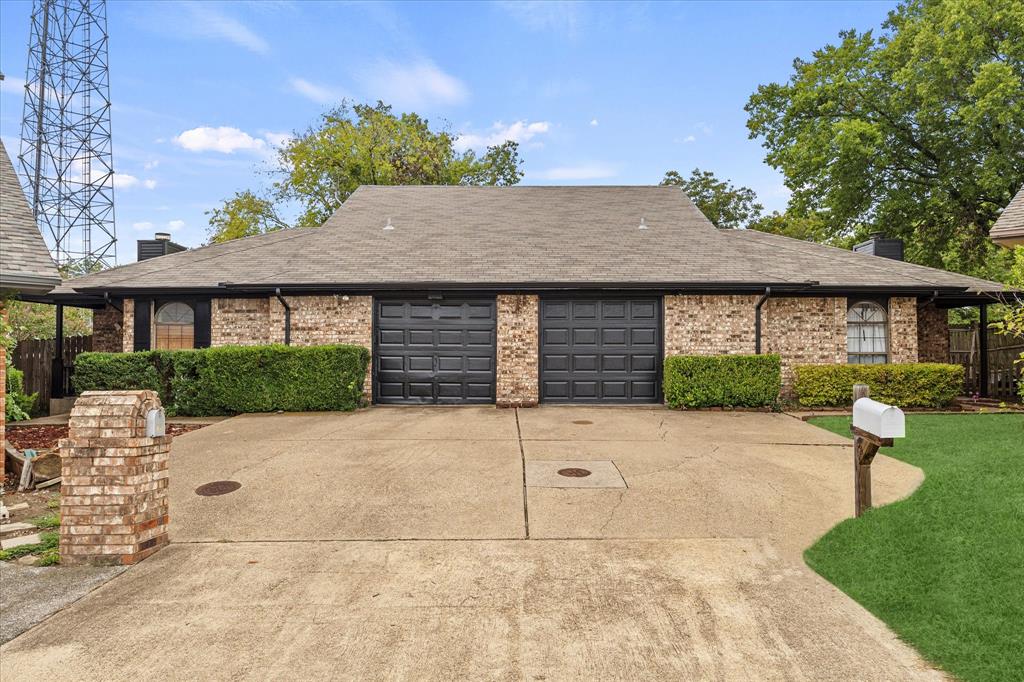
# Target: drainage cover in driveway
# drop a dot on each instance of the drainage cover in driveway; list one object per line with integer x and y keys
{"x": 218, "y": 488}
{"x": 573, "y": 474}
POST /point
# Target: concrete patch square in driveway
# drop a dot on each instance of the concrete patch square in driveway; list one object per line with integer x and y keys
{"x": 567, "y": 473}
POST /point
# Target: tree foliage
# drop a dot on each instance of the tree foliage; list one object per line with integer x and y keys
{"x": 917, "y": 131}
{"x": 352, "y": 146}
{"x": 725, "y": 205}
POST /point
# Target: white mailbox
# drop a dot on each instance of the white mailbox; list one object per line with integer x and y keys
{"x": 155, "y": 423}
{"x": 884, "y": 421}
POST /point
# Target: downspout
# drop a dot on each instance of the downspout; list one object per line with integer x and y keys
{"x": 110, "y": 302}
{"x": 757, "y": 319}
{"x": 287, "y": 317}
{"x": 922, "y": 306}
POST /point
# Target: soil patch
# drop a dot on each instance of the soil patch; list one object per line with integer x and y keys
{"x": 46, "y": 437}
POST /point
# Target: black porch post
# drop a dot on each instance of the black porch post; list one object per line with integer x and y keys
{"x": 983, "y": 350}
{"x": 57, "y": 369}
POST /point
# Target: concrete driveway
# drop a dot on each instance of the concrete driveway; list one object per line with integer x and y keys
{"x": 403, "y": 543}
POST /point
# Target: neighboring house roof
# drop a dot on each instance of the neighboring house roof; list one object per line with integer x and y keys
{"x": 540, "y": 237}
{"x": 25, "y": 263}
{"x": 1009, "y": 228}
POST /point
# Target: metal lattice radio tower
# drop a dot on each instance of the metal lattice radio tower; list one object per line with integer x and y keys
{"x": 65, "y": 152}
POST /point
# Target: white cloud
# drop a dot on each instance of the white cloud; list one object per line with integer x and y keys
{"x": 593, "y": 122}
{"x": 175, "y": 224}
{"x": 224, "y": 139}
{"x": 520, "y": 131}
{"x": 412, "y": 85}
{"x": 321, "y": 94}
{"x": 562, "y": 16}
{"x": 145, "y": 226}
{"x": 689, "y": 138}
{"x": 586, "y": 171}
{"x": 207, "y": 22}
{"x": 150, "y": 165}
{"x": 12, "y": 85}
{"x": 125, "y": 181}
{"x": 277, "y": 139}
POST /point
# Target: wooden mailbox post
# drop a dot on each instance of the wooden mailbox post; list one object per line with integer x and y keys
{"x": 875, "y": 425}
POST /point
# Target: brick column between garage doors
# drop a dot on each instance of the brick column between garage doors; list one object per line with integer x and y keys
{"x": 113, "y": 480}
{"x": 517, "y": 350}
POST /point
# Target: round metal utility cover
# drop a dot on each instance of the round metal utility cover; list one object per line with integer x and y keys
{"x": 574, "y": 472}
{"x": 218, "y": 488}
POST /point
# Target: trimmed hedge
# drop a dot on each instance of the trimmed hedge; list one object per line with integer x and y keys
{"x": 925, "y": 384}
{"x": 722, "y": 380}
{"x": 234, "y": 379}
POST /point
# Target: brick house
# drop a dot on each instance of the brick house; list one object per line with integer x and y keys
{"x": 25, "y": 264}
{"x": 520, "y": 295}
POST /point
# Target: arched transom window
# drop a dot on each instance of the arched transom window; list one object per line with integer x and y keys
{"x": 175, "y": 326}
{"x": 867, "y": 334}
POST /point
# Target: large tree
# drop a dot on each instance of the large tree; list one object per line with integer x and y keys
{"x": 917, "y": 131}
{"x": 725, "y": 205}
{"x": 357, "y": 145}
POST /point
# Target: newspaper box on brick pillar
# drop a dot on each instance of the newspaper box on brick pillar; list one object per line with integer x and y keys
{"x": 875, "y": 425}
{"x": 114, "y": 479}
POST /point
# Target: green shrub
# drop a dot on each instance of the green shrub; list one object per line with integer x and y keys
{"x": 722, "y": 380}
{"x": 19, "y": 405}
{"x": 906, "y": 385}
{"x": 234, "y": 379}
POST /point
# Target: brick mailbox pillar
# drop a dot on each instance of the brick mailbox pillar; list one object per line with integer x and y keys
{"x": 114, "y": 479}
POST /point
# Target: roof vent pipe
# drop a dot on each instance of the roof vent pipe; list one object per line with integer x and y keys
{"x": 389, "y": 226}
{"x": 643, "y": 224}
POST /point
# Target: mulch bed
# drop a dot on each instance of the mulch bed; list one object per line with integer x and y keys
{"x": 45, "y": 437}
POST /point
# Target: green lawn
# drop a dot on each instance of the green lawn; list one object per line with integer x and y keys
{"x": 945, "y": 567}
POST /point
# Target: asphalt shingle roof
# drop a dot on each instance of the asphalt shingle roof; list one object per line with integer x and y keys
{"x": 1011, "y": 220}
{"x": 577, "y": 236}
{"x": 25, "y": 261}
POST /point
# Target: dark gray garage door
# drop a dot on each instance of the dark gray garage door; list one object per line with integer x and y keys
{"x": 434, "y": 351}
{"x": 600, "y": 350}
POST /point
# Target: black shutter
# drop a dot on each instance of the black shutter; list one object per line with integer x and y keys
{"x": 142, "y": 314}
{"x": 202, "y": 324}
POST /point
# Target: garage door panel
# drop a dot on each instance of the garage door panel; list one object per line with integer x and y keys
{"x": 435, "y": 351}
{"x": 600, "y": 350}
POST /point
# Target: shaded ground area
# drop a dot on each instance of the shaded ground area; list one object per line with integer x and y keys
{"x": 945, "y": 568}
{"x": 401, "y": 542}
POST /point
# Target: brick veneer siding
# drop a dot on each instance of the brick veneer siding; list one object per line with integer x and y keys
{"x": 315, "y": 320}
{"x": 128, "y": 335}
{"x": 932, "y": 334}
{"x": 903, "y": 329}
{"x": 3, "y": 396}
{"x": 800, "y": 330}
{"x": 709, "y": 325}
{"x": 113, "y": 504}
{"x": 107, "y": 330}
{"x": 804, "y": 331}
{"x": 518, "y": 339}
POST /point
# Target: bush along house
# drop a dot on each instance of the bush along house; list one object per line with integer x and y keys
{"x": 520, "y": 295}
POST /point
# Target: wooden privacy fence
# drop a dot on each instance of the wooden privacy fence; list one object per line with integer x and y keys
{"x": 35, "y": 358}
{"x": 1003, "y": 373}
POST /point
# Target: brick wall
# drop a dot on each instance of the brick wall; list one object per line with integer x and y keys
{"x": 129, "y": 325}
{"x": 241, "y": 322}
{"x": 3, "y": 395}
{"x": 107, "y": 330}
{"x": 902, "y": 329}
{"x": 932, "y": 334}
{"x": 316, "y": 320}
{"x": 517, "y": 370}
{"x": 709, "y": 325}
{"x": 804, "y": 331}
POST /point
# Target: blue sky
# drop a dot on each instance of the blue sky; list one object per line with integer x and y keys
{"x": 595, "y": 94}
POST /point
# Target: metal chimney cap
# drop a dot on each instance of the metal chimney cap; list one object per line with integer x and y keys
{"x": 162, "y": 236}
